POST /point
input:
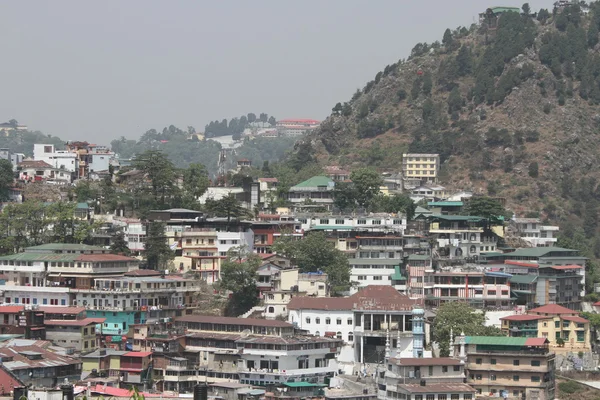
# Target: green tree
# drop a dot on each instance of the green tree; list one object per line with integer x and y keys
{"x": 251, "y": 118}
{"x": 397, "y": 203}
{"x": 447, "y": 40}
{"x": 543, "y": 15}
{"x": 157, "y": 252}
{"x": 416, "y": 88}
{"x": 238, "y": 275}
{"x": 486, "y": 207}
{"x": 272, "y": 121}
{"x": 227, "y": 207}
{"x": 592, "y": 34}
{"x": 533, "y": 169}
{"x": 337, "y": 109}
{"x": 464, "y": 61}
{"x": 455, "y": 101}
{"x": 526, "y": 9}
{"x": 427, "y": 83}
{"x": 119, "y": 245}
{"x": 160, "y": 171}
{"x": 314, "y": 253}
{"x": 7, "y": 177}
{"x": 367, "y": 184}
{"x": 344, "y": 196}
{"x": 195, "y": 181}
{"x": 459, "y": 317}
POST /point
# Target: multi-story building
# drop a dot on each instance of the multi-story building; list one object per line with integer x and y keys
{"x": 461, "y": 237}
{"x": 564, "y": 329}
{"x": 480, "y": 289}
{"x": 41, "y": 171}
{"x": 296, "y": 127}
{"x": 423, "y": 167}
{"x": 417, "y": 267}
{"x": 70, "y": 327}
{"x": 312, "y": 193}
{"x": 560, "y": 272}
{"x": 59, "y": 159}
{"x": 535, "y": 232}
{"x": 255, "y": 351}
{"x": 365, "y": 321}
{"x": 265, "y": 233}
{"x": 510, "y": 367}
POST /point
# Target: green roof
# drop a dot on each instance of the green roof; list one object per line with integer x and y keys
{"x": 496, "y": 340}
{"x": 82, "y": 206}
{"x": 414, "y": 257}
{"x": 523, "y": 279}
{"x": 537, "y": 251}
{"x": 445, "y": 204}
{"x": 315, "y": 181}
{"x": 64, "y": 247}
{"x": 456, "y": 217}
{"x": 502, "y": 9}
{"x": 397, "y": 276}
{"x": 332, "y": 227}
{"x": 63, "y": 257}
{"x": 302, "y": 384}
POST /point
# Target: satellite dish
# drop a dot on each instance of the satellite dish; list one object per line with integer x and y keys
{"x": 246, "y": 333}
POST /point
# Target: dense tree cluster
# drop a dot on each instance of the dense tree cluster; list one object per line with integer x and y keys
{"x": 236, "y": 126}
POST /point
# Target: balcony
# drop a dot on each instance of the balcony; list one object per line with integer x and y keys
{"x": 290, "y": 372}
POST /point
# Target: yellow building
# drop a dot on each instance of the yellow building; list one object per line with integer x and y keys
{"x": 196, "y": 250}
{"x": 107, "y": 362}
{"x": 564, "y": 328}
{"x": 424, "y": 167}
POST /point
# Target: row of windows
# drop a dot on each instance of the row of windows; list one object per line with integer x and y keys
{"x": 515, "y": 378}
{"x": 27, "y": 300}
{"x": 493, "y": 361}
{"x": 339, "y": 335}
{"x": 328, "y": 321}
{"x": 418, "y": 172}
{"x": 325, "y": 221}
{"x": 375, "y": 277}
{"x": 372, "y": 266}
{"x": 454, "y": 396}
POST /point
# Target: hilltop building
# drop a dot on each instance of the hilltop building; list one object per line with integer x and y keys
{"x": 422, "y": 168}
{"x": 296, "y": 127}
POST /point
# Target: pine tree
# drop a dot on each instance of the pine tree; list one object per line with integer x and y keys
{"x": 464, "y": 61}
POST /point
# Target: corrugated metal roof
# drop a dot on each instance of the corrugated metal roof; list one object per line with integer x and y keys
{"x": 315, "y": 181}
{"x": 445, "y": 204}
{"x": 525, "y": 279}
{"x": 496, "y": 340}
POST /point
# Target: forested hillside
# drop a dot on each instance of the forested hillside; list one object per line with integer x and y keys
{"x": 511, "y": 105}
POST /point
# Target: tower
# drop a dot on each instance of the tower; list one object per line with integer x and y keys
{"x": 418, "y": 331}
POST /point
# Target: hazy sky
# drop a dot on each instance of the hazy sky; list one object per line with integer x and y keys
{"x": 100, "y": 70}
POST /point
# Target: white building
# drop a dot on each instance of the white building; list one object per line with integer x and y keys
{"x": 35, "y": 170}
{"x": 535, "y": 232}
{"x": 296, "y": 127}
{"x": 366, "y": 321}
{"x": 227, "y": 240}
{"x": 61, "y": 159}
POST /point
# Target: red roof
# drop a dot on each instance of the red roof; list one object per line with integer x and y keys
{"x": 34, "y": 164}
{"x": 104, "y": 257}
{"x": 562, "y": 267}
{"x": 299, "y": 120}
{"x": 522, "y": 317}
{"x": 62, "y": 310}
{"x": 521, "y": 264}
{"x": 210, "y": 319}
{"x": 268, "y": 180}
{"x": 11, "y": 309}
{"x": 579, "y": 320}
{"x": 138, "y": 354}
{"x": 552, "y": 309}
{"x": 597, "y": 304}
{"x": 536, "y": 341}
{"x": 74, "y": 322}
{"x": 373, "y": 297}
{"x": 8, "y": 381}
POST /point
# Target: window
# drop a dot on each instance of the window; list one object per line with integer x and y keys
{"x": 442, "y": 397}
{"x": 418, "y": 397}
{"x": 557, "y": 324}
{"x": 349, "y": 321}
{"x": 361, "y": 222}
{"x": 430, "y": 370}
{"x": 505, "y": 293}
{"x": 467, "y": 396}
{"x": 456, "y": 368}
{"x": 339, "y": 222}
{"x": 535, "y": 363}
{"x": 339, "y": 321}
{"x": 478, "y": 361}
{"x": 445, "y": 368}
{"x": 324, "y": 221}
{"x": 338, "y": 335}
{"x": 350, "y": 337}
{"x": 493, "y": 361}
{"x": 515, "y": 378}
{"x": 376, "y": 222}
{"x": 566, "y": 324}
{"x": 492, "y": 377}
{"x": 491, "y": 292}
{"x": 454, "y": 396}
{"x": 516, "y": 362}
{"x": 477, "y": 377}
{"x": 516, "y": 393}
{"x": 327, "y": 321}
{"x": 377, "y": 277}
{"x": 430, "y": 397}
{"x": 535, "y": 379}
{"x": 362, "y": 278}
{"x": 308, "y": 320}
{"x": 317, "y": 320}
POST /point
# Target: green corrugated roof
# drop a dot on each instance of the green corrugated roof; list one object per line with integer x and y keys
{"x": 397, "y": 275}
{"x": 445, "y": 204}
{"x": 456, "y": 217}
{"x": 314, "y": 182}
{"x": 496, "y": 340}
{"x": 64, "y": 247}
{"x": 82, "y": 206}
{"x": 332, "y": 227}
{"x": 422, "y": 210}
{"x": 63, "y": 257}
{"x": 523, "y": 279}
{"x": 302, "y": 384}
{"x": 503, "y": 9}
{"x": 414, "y": 257}
{"x": 537, "y": 251}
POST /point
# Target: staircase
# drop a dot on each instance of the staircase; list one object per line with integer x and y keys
{"x": 252, "y": 311}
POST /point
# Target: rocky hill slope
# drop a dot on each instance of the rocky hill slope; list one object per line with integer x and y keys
{"x": 511, "y": 105}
